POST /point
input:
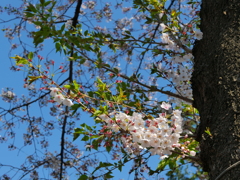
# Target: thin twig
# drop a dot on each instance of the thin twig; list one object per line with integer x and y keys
{"x": 230, "y": 167}
{"x": 154, "y": 34}
{"x": 179, "y": 43}
{"x": 151, "y": 88}
{"x": 70, "y": 77}
{"x": 33, "y": 101}
{"x": 169, "y": 7}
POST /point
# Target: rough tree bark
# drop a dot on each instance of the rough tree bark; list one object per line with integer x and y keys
{"x": 216, "y": 87}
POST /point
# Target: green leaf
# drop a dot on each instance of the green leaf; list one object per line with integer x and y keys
{"x": 181, "y": 161}
{"x": 151, "y": 172}
{"x": 28, "y": 14}
{"x": 53, "y": 4}
{"x": 208, "y": 131}
{"x": 97, "y": 113}
{"x": 78, "y": 132}
{"x": 37, "y": 39}
{"x": 85, "y": 138}
{"x": 149, "y": 20}
{"x": 172, "y": 164}
{"x": 84, "y": 125}
{"x": 120, "y": 165}
{"x": 86, "y": 33}
{"x": 76, "y": 85}
{"x": 75, "y": 136}
{"x": 105, "y": 164}
{"x": 75, "y": 108}
{"x": 95, "y": 143}
{"x": 162, "y": 164}
{"x": 83, "y": 177}
{"x": 47, "y": 3}
{"x": 20, "y": 60}
{"x": 94, "y": 136}
{"x": 58, "y": 47}
{"x": 67, "y": 86}
{"x": 102, "y": 164}
{"x": 108, "y": 148}
{"x": 30, "y": 55}
{"x": 30, "y": 8}
{"x": 42, "y": 2}
{"x": 33, "y": 78}
{"x": 62, "y": 28}
{"x": 108, "y": 175}
{"x": 125, "y": 160}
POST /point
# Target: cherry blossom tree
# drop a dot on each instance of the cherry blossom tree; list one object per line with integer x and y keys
{"x": 127, "y": 64}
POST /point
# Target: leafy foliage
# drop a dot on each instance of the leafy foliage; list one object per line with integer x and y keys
{"x": 124, "y": 68}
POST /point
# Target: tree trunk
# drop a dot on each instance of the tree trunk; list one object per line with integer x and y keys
{"x": 216, "y": 87}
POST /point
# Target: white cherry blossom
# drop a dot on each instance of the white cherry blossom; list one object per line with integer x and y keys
{"x": 165, "y": 106}
{"x": 67, "y": 102}
{"x": 198, "y": 34}
{"x": 59, "y": 98}
{"x": 192, "y": 153}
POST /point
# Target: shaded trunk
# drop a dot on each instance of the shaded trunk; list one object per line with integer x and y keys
{"x": 216, "y": 87}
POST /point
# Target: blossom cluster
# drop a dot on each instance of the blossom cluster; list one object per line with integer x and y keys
{"x": 58, "y": 97}
{"x": 160, "y": 134}
{"x": 179, "y": 73}
{"x": 68, "y": 24}
{"x": 7, "y": 95}
{"x": 181, "y": 79}
{"x": 89, "y": 4}
{"x": 124, "y": 22}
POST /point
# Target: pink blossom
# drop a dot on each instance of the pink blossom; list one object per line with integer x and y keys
{"x": 165, "y": 105}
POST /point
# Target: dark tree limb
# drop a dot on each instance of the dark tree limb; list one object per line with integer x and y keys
{"x": 70, "y": 77}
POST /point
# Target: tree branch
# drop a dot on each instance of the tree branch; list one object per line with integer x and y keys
{"x": 155, "y": 31}
{"x": 151, "y": 88}
{"x": 31, "y": 102}
{"x": 70, "y": 77}
{"x": 230, "y": 167}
